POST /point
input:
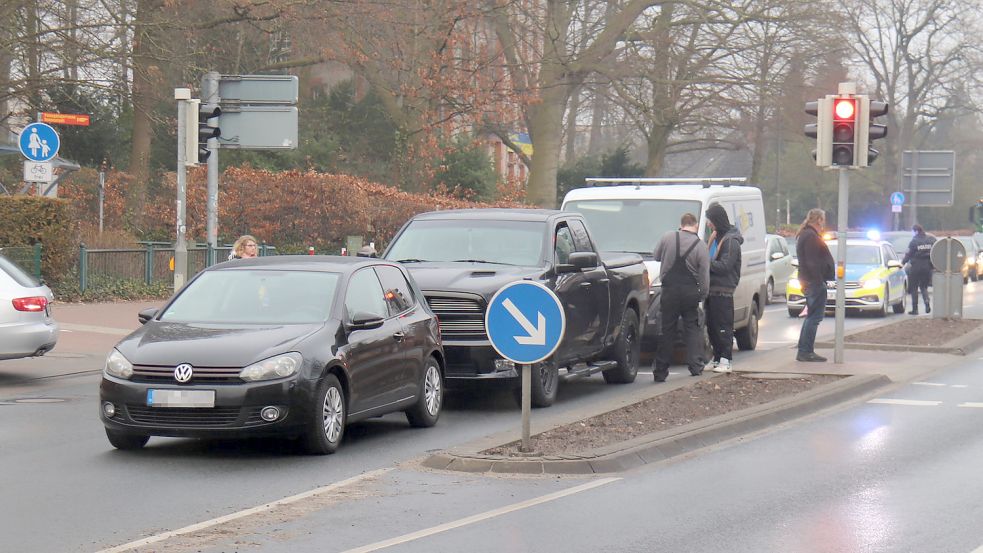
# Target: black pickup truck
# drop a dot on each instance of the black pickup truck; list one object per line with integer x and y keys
{"x": 460, "y": 258}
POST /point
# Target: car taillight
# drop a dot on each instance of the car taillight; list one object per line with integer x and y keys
{"x": 33, "y": 304}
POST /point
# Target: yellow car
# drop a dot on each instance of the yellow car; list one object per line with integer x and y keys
{"x": 875, "y": 280}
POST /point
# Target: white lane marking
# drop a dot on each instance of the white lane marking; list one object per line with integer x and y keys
{"x": 977, "y": 550}
{"x": 245, "y": 513}
{"x": 776, "y": 341}
{"x": 97, "y": 329}
{"x": 977, "y": 405}
{"x": 63, "y": 330}
{"x": 960, "y": 386}
{"x": 928, "y": 383}
{"x": 479, "y": 517}
{"x": 916, "y": 402}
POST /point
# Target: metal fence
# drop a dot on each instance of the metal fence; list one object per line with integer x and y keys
{"x": 150, "y": 263}
{"x": 28, "y": 257}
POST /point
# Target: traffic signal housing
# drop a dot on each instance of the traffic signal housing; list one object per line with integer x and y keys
{"x": 868, "y": 130}
{"x": 821, "y": 130}
{"x": 202, "y": 123}
{"x": 843, "y": 148}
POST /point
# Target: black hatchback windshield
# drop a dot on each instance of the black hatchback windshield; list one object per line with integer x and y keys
{"x": 255, "y": 297}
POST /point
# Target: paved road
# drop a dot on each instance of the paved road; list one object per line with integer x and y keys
{"x": 55, "y": 464}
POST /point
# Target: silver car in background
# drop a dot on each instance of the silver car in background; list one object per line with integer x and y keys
{"x": 26, "y": 326}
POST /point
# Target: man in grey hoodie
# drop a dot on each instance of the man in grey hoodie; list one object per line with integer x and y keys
{"x": 725, "y": 273}
{"x": 685, "y": 277}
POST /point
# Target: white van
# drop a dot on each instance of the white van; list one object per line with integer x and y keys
{"x": 632, "y": 214}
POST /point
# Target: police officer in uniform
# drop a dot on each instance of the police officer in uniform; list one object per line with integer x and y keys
{"x": 920, "y": 276}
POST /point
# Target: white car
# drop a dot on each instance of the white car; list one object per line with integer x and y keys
{"x": 26, "y": 326}
{"x": 778, "y": 265}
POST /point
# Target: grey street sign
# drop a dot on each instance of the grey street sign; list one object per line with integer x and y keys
{"x": 928, "y": 177}
{"x": 257, "y": 89}
{"x": 259, "y": 128}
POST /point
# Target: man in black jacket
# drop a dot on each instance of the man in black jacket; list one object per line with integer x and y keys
{"x": 816, "y": 266}
{"x": 684, "y": 274}
{"x": 920, "y": 276}
{"x": 725, "y": 273}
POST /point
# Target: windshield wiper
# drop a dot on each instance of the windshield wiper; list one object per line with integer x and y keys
{"x": 480, "y": 261}
{"x": 411, "y": 261}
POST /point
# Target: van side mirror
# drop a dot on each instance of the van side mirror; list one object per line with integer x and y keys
{"x": 146, "y": 315}
{"x": 362, "y": 320}
{"x": 777, "y": 255}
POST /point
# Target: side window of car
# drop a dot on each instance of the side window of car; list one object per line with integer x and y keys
{"x": 365, "y": 295}
{"x": 563, "y": 244}
{"x": 889, "y": 254}
{"x": 581, "y": 240}
{"x": 398, "y": 293}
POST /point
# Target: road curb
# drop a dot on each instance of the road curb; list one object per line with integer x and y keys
{"x": 963, "y": 345}
{"x": 669, "y": 443}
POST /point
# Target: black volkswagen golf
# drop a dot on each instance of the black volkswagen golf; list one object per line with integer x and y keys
{"x": 286, "y": 345}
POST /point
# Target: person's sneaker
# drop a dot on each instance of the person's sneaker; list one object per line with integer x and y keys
{"x": 696, "y": 372}
{"x": 723, "y": 366}
{"x": 913, "y": 312}
{"x": 928, "y": 308}
{"x": 811, "y": 357}
{"x": 711, "y": 365}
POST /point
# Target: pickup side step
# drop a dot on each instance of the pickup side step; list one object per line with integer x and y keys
{"x": 581, "y": 370}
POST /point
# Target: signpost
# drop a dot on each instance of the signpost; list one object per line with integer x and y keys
{"x": 927, "y": 178}
{"x": 39, "y": 142}
{"x": 897, "y": 201}
{"x": 525, "y": 324}
{"x": 78, "y": 119}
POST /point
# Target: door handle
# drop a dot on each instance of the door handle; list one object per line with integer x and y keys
{"x": 605, "y": 280}
{"x": 585, "y": 285}
{"x": 398, "y": 336}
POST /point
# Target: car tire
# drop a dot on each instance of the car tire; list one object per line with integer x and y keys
{"x": 426, "y": 411}
{"x": 126, "y": 441}
{"x": 329, "y": 413}
{"x": 770, "y": 291}
{"x": 626, "y": 351}
{"x": 886, "y": 301}
{"x": 545, "y": 381}
{"x": 900, "y": 307}
{"x": 747, "y": 337}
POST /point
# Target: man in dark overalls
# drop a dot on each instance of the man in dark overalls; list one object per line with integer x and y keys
{"x": 920, "y": 276}
{"x": 685, "y": 277}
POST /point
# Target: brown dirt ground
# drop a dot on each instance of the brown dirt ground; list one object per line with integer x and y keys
{"x": 917, "y": 331}
{"x": 722, "y": 394}
{"x": 707, "y": 398}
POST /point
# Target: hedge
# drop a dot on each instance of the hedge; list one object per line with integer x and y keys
{"x": 25, "y": 220}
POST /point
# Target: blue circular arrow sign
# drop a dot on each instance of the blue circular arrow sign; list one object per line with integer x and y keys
{"x": 39, "y": 142}
{"x": 897, "y": 198}
{"x": 525, "y": 322}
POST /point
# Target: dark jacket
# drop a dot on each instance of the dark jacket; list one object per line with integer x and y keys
{"x": 698, "y": 260}
{"x": 725, "y": 265}
{"x": 816, "y": 264}
{"x": 919, "y": 252}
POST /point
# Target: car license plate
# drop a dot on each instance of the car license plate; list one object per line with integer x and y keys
{"x": 181, "y": 398}
{"x": 831, "y": 294}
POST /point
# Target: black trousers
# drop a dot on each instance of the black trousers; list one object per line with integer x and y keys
{"x": 680, "y": 302}
{"x": 919, "y": 279}
{"x": 720, "y": 325}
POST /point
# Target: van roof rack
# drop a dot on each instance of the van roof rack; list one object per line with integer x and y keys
{"x": 705, "y": 182}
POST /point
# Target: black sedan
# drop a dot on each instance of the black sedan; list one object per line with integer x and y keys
{"x": 288, "y": 345}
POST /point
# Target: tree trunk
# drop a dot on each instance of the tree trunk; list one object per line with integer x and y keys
{"x": 656, "y": 142}
{"x": 146, "y": 77}
{"x": 571, "y": 146}
{"x": 546, "y": 127}
{"x": 599, "y": 111}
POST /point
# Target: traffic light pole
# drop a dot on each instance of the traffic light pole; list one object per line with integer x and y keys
{"x": 182, "y": 95}
{"x": 209, "y": 93}
{"x": 841, "y": 226}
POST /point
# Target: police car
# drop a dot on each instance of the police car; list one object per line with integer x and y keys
{"x": 875, "y": 280}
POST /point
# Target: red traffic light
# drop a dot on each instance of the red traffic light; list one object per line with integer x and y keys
{"x": 844, "y": 109}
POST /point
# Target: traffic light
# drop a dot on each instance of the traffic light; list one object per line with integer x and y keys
{"x": 206, "y": 126}
{"x": 844, "y": 131}
{"x": 867, "y": 130}
{"x": 821, "y": 130}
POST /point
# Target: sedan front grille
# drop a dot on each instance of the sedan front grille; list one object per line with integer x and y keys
{"x": 460, "y": 317}
{"x": 212, "y": 375}
{"x": 188, "y": 417}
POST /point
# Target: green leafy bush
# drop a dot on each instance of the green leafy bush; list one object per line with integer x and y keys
{"x": 29, "y": 219}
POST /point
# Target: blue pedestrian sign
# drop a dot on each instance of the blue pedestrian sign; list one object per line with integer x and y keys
{"x": 525, "y": 322}
{"x": 39, "y": 142}
{"x": 897, "y": 198}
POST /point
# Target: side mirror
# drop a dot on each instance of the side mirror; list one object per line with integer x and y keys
{"x": 777, "y": 255}
{"x": 147, "y": 314}
{"x": 894, "y": 264}
{"x": 362, "y": 320}
{"x": 583, "y": 260}
{"x": 795, "y": 262}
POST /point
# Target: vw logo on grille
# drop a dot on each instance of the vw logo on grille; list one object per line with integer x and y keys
{"x": 183, "y": 372}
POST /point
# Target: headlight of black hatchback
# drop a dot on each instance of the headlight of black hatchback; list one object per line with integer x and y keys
{"x": 279, "y": 366}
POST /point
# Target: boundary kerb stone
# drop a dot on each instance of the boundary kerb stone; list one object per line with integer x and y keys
{"x": 963, "y": 345}
{"x": 660, "y": 446}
